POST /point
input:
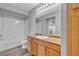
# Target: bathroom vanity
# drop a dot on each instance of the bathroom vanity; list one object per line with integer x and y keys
{"x": 40, "y": 45}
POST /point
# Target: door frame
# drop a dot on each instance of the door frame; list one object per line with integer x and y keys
{"x": 69, "y": 29}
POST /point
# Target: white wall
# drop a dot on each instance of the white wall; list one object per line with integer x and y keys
{"x": 39, "y": 27}
{"x": 32, "y": 23}
{"x": 12, "y": 32}
{"x": 1, "y": 29}
{"x": 64, "y": 29}
{"x": 26, "y": 27}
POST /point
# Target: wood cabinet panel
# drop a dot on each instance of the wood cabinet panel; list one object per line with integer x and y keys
{"x": 40, "y": 42}
{"x": 41, "y": 50}
{"x": 29, "y": 45}
{"x": 50, "y": 52}
{"x": 52, "y": 46}
{"x": 34, "y": 47}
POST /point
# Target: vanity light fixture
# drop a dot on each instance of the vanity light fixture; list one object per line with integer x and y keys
{"x": 43, "y": 7}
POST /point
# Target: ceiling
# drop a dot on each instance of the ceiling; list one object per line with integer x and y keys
{"x": 23, "y": 8}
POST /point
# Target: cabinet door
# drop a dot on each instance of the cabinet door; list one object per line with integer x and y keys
{"x": 34, "y": 47}
{"x": 50, "y": 52}
{"x": 41, "y": 50}
{"x": 29, "y": 44}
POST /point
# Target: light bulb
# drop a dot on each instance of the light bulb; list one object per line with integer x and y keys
{"x": 16, "y": 21}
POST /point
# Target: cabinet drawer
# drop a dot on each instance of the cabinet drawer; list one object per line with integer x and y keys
{"x": 52, "y": 46}
{"x": 40, "y": 42}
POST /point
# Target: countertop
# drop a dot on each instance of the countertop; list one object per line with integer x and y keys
{"x": 54, "y": 40}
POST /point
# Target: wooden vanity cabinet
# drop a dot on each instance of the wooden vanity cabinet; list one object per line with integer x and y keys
{"x": 42, "y": 48}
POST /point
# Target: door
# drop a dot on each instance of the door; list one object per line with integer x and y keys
{"x": 73, "y": 30}
{"x": 75, "y": 34}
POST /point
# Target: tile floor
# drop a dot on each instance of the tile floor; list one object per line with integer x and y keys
{"x": 17, "y": 51}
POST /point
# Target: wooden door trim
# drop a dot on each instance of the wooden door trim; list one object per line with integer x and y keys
{"x": 69, "y": 29}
